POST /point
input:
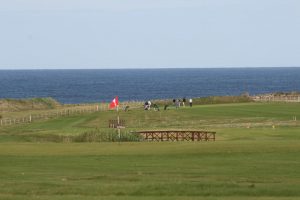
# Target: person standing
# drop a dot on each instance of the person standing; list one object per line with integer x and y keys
{"x": 183, "y": 101}
{"x": 191, "y": 102}
{"x": 149, "y": 104}
{"x": 177, "y": 103}
{"x": 146, "y": 105}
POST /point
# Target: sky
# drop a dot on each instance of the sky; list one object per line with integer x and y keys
{"x": 73, "y": 34}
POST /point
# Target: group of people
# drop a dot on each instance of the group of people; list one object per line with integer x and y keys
{"x": 147, "y": 106}
{"x": 176, "y": 102}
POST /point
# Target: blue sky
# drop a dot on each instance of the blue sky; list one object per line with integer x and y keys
{"x": 38, "y": 34}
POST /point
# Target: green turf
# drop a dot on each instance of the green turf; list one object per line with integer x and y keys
{"x": 256, "y": 156}
{"x": 183, "y": 169}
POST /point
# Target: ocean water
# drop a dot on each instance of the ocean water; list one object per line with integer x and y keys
{"x": 84, "y": 86}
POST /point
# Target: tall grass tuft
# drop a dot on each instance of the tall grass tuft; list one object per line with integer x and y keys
{"x": 89, "y": 136}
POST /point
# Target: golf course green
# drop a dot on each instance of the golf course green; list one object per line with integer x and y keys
{"x": 255, "y": 155}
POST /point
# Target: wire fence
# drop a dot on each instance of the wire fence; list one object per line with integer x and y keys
{"x": 9, "y": 121}
{"x": 49, "y": 115}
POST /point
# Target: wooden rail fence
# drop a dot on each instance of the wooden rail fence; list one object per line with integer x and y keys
{"x": 277, "y": 98}
{"x": 177, "y": 135}
{"x": 7, "y": 121}
{"x": 48, "y": 115}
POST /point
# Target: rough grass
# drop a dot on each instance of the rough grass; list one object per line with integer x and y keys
{"x": 9, "y": 105}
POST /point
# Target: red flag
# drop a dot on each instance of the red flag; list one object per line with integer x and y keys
{"x": 114, "y": 103}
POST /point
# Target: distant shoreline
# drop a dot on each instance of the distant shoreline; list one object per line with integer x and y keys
{"x": 146, "y": 68}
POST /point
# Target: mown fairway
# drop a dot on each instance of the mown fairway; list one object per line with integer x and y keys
{"x": 249, "y": 160}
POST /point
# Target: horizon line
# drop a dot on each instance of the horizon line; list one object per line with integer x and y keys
{"x": 147, "y": 68}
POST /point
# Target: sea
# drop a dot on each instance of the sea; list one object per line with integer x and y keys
{"x": 102, "y": 85}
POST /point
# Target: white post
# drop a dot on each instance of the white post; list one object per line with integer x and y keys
{"x": 29, "y": 118}
{"x": 119, "y": 130}
{"x": 118, "y": 114}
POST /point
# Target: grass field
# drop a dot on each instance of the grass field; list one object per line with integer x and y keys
{"x": 255, "y": 156}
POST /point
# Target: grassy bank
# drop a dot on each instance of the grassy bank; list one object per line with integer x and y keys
{"x": 13, "y": 105}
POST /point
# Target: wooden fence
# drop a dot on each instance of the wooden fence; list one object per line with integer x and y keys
{"x": 71, "y": 111}
{"x": 277, "y": 98}
{"x": 177, "y": 135}
{"x": 49, "y": 115}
